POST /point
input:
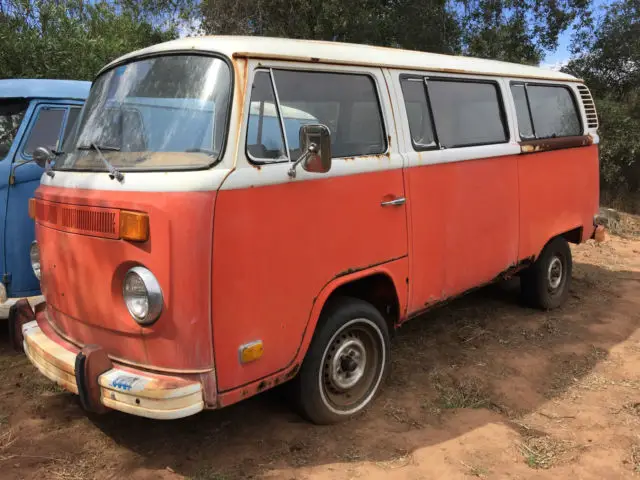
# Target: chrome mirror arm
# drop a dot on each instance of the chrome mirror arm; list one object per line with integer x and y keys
{"x": 313, "y": 149}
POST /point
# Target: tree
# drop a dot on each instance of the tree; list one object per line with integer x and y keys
{"x": 609, "y": 62}
{"x": 515, "y": 30}
{"x": 73, "y": 39}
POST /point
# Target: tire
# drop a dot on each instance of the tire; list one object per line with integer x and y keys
{"x": 545, "y": 284}
{"x": 346, "y": 363}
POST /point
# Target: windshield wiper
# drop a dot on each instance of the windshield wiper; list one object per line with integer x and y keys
{"x": 113, "y": 171}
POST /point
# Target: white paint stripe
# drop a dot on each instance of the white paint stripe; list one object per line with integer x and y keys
{"x": 182, "y": 181}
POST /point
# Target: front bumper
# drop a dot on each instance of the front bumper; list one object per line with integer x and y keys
{"x": 120, "y": 387}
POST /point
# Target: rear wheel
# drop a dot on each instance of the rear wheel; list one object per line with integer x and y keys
{"x": 345, "y": 364}
{"x": 546, "y": 283}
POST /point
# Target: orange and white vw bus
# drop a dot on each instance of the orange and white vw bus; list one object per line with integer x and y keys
{"x": 234, "y": 213}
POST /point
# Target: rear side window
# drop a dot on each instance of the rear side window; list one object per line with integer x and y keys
{"x": 451, "y": 112}
{"x": 46, "y": 130}
{"x": 346, "y": 103}
{"x": 522, "y": 111}
{"x": 417, "y": 106}
{"x": 545, "y": 111}
{"x": 466, "y": 113}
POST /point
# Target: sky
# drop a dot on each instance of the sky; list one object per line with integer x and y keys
{"x": 558, "y": 58}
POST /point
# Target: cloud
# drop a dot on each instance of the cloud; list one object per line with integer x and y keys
{"x": 189, "y": 28}
{"x": 555, "y": 66}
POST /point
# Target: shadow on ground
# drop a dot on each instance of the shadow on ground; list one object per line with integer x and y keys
{"x": 483, "y": 353}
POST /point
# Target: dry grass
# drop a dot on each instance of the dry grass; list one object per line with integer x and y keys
{"x": 542, "y": 452}
{"x": 468, "y": 392}
{"x": 635, "y": 458}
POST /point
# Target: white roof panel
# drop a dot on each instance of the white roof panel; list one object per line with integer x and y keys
{"x": 348, "y": 54}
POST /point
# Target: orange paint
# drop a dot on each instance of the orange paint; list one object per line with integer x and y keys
{"x": 276, "y": 247}
{"x": 82, "y": 278}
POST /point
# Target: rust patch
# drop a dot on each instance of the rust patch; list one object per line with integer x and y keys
{"x": 262, "y": 386}
{"x": 292, "y": 373}
{"x": 549, "y": 144}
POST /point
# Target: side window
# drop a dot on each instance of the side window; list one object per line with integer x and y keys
{"x": 72, "y": 119}
{"x": 545, "y": 111}
{"x": 346, "y": 103}
{"x": 553, "y": 111}
{"x": 264, "y": 132}
{"x": 46, "y": 130}
{"x": 522, "y": 111}
{"x": 417, "y": 106}
{"x": 11, "y": 115}
{"x": 466, "y": 113}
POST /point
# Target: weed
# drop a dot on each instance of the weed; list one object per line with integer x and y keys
{"x": 465, "y": 393}
{"x": 635, "y": 458}
{"x": 543, "y": 452}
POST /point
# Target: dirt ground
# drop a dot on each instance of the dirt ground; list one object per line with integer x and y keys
{"x": 482, "y": 387}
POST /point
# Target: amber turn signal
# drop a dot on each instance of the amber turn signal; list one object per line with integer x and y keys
{"x": 134, "y": 226}
{"x": 32, "y": 208}
{"x": 251, "y": 351}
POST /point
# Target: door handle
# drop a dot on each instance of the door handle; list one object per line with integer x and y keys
{"x": 396, "y": 202}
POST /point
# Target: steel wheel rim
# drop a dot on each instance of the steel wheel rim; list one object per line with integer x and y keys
{"x": 555, "y": 273}
{"x": 348, "y": 390}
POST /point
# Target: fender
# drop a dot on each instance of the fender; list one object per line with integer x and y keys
{"x": 397, "y": 270}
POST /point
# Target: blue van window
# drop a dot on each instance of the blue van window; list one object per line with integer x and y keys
{"x": 46, "y": 130}
{"x": 11, "y": 115}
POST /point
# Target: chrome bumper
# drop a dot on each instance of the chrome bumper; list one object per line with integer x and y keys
{"x": 123, "y": 388}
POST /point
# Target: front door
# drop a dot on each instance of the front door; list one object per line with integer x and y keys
{"x": 279, "y": 240}
{"x": 46, "y": 127}
{"x": 13, "y": 113}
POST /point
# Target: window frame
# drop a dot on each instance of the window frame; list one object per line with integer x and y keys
{"x": 177, "y": 52}
{"x": 501, "y": 105}
{"x": 259, "y": 162}
{"x": 576, "y": 106}
{"x": 266, "y": 161}
{"x": 34, "y": 120}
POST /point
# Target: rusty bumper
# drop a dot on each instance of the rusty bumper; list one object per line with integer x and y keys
{"x": 100, "y": 383}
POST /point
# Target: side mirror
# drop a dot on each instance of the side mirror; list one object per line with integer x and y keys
{"x": 315, "y": 143}
{"x": 42, "y": 156}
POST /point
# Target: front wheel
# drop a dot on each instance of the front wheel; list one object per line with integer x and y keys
{"x": 346, "y": 362}
{"x": 545, "y": 284}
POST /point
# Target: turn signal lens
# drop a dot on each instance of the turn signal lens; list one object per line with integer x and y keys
{"x": 134, "y": 226}
{"x": 251, "y": 351}
{"x": 32, "y": 208}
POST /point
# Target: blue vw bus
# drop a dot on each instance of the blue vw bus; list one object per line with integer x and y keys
{"x": 33, "y": 113}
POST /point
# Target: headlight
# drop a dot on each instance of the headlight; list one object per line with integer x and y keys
{"x": 34, "y": 254}
{"x": 142, "y": 295}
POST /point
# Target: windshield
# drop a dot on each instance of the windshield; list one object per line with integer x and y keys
{"x": 161, "y": 113}
{"x": 11, "y": 114}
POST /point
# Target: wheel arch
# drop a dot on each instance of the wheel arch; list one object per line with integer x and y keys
{"x": 384, "y": 286}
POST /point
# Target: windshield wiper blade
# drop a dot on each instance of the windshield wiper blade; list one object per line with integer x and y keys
{"x": 113, "y": 171}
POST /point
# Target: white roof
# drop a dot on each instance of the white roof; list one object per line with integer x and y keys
{"x": 348, "y": 54}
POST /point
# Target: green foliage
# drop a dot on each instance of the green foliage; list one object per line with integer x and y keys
{"x": 514, "y": 30}
{"x": 73, "y": 38}
{"x": 418, "y": 24}
{"x": 610, "y": 65}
